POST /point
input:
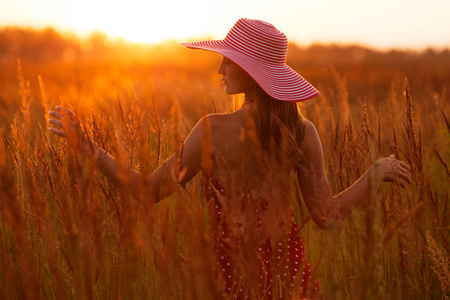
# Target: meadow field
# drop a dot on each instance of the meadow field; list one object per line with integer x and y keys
{"x": 67, "y": 233}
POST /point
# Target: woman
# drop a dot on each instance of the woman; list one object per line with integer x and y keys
{"x": 247, "y": 159}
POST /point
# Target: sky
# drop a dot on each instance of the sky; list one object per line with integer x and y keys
{"x": 383, "y": 24}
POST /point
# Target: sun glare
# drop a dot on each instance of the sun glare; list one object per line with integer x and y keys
{"x": 416, "y": 24}
{"x": 140, "y": 21}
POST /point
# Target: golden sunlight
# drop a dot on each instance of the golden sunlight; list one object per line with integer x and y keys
{"x": 140, "y": 21}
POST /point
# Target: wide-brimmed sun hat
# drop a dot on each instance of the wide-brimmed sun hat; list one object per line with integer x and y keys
{"x": 260, "y": 49}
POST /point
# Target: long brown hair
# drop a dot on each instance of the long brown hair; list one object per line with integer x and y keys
{"x": 274, "y": 118}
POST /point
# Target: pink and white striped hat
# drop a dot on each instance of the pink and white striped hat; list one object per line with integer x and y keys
{"x": 260, "y": 49}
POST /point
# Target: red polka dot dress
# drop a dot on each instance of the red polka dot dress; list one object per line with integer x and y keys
{"x": 276, "y": 269}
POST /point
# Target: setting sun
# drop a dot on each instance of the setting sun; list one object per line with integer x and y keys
{"x": 382, "y": 24}
{"x": 139, "y": 21}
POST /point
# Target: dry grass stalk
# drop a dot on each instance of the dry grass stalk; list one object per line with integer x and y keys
{"x": 413, "y": 144}
{"x": 447, "y": 123}
{"x": 441, "y": 160}
{"x": 440, "y": 263}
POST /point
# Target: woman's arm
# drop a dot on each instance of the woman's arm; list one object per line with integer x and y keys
{"x": 179, "y": 168}
{"x": 327, "y": 209}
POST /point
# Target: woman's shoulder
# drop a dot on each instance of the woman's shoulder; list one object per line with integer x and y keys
{"x": 311, "y": 138}
{"x": 224, "y": 130}
{"x": 223, "y": 120}
{"x": 309, "y": 127}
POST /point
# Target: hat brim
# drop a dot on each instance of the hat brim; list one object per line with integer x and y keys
{"x": 278, "y": 80}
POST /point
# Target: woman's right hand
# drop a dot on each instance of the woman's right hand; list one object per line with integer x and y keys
{"x": 67, "y": 125}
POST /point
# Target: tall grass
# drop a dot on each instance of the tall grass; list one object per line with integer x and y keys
{"x": 67, "y": 233}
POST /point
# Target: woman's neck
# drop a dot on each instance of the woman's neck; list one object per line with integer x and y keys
{"x": 249, "y": 98}
{"x": 247, "y": 101}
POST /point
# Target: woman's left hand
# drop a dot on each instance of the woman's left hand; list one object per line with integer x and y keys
{"x": 391, "y": 168}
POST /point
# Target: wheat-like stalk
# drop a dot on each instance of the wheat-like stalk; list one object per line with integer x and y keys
{"x": 440, "y": 263}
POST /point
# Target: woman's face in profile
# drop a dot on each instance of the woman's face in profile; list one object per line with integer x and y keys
{"x": 235, "y": 79}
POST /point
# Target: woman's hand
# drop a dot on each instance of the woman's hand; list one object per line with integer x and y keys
{"x": 390, "y": 169}
{"x": 67, "y": 125}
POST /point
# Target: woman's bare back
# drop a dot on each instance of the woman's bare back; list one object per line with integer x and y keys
{"x": 238, "y": 159}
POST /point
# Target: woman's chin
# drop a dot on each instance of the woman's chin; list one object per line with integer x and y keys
{"x": 229, "y": 91}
